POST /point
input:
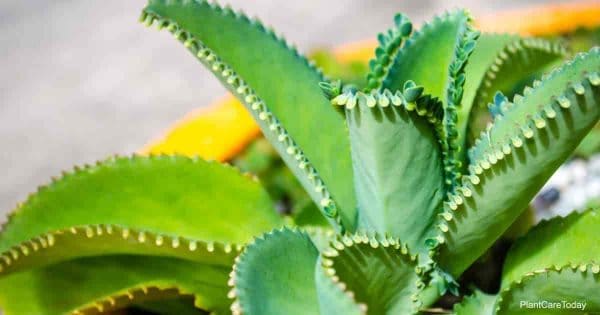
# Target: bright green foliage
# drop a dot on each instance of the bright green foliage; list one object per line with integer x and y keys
{"x": 540, "y": 128}
{"x": 435, "y": 57}
{"x": 515, "y": 63}
{"x": 413, "y": 200}
{"x": 556, "y": 260}
{"x": 574, "y": 283}
{"x": 389, "y": 136}
{"x": 541, "y": 248}
{"x": 378, "y": 272}
{"x": 150, "y": 206}
{"x": 262, "y": 160}
{"x": 261, "y": 270}
{"x": 111, "y": 282}
{"x": 174, "y": 213}
{"x": 477, "y": 304}
{"x": 242, "y": 56}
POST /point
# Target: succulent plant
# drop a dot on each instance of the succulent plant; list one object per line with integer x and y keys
{"x": 412, "y": 193}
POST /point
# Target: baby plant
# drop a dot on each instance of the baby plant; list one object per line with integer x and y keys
{"x": 414, "y": 189}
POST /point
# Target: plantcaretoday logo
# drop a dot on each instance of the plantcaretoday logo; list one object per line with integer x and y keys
{"x": 543, "y": 304}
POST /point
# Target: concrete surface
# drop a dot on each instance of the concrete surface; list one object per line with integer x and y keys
{"x": 80, "y": 80}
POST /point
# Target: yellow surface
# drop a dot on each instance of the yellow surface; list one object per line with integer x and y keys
{"x": 223, "y": 129}
{"x": 217, "y": 132}
{"x": 544, "y": 20}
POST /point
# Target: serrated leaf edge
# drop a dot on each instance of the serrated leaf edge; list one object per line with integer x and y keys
{"x": 266, "y": 119}
{"x": 386, "y": 52}
{"x": 129, "y": 296}
{"x": 451, "y": 148}
{"x": 581, "y": 268}
{"x": 235, "y": 274}
{"x": 518, "y": 46}
{"x": 515, "y": 142}
{"x": 186, "y": 246}
{"x": 90, "y": 168}
{"x": 374, "y": 240}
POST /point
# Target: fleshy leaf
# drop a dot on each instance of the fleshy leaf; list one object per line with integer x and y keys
{"x": 478, "y": 303}
{"x": 275, "y": 275}
{"x": 557, "y": 242}
{"x": 333, "y": 299}
{"x": 435, "y": 56}
{"x": 249, "y": 59}
{"x": 485, "y": 53}
{"x": 385, "y": 54}
{"x": 516, "y": 62}
{"x": 515, "y": 65}
{"x": 399, "y": 175}
{"x": 516, "y": 155}
{"x": 573, "y": 283}
{"x": 100, "y": 284}
{"x": 165, "y": 205}
{"x": 378, "y": 272}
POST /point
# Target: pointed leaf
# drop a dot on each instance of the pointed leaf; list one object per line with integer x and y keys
{"x": 275, "y": 275}
{"x": 487, "y": 50}
{"x": 574, "y": 288}
{"x": 100, "y": 284}
{"x": 428, "y": 53}
{"x": 518, "y": 60}
{"x": 557, "y": 242}
{"x": 514, "y": 158}
{"x": 378, "y": 272}
{"x": 435, "y": 56}
{"x": 172, "y": 206}
{"x": 399, "y": 176}
{"x": 516, "y": 64}
{"x": 249, "y": 60}
{"x": 387, "y": 50}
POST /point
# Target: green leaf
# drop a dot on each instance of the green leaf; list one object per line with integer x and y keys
{"x": 517, "y": 61}
{"x": 514, "y": 65}
{"x": 333, "y": 299}
{"x": 590, "y": 144}
{"x": 478, "y": 303}
{"x": 399, "y": 176}
{"x": 485, "y": 53}
{"x": 320, "y": 236}
{"x": 427, "y": 55}
{"x": 275, "y": 275}
{"x": 378, "y": 272}
{"x": 261, "y": 159}
{"x": 387, "y": 51}
{"x": 435, "y": 56}
{"x": 515, "y": 157}
{"x": 100, "y": 284}
{"x": 306, "y": 213}
{"x": 557, "y": 242}
{"x": 573, "y": 283}
{"x": 249, "y": 59}
{"x": 165, "y": 205}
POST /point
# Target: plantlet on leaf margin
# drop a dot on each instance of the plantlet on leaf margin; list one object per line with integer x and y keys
{"x": 387, "y": 165}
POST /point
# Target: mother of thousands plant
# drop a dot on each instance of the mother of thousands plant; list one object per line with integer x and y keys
{"x": 412, "y": 196}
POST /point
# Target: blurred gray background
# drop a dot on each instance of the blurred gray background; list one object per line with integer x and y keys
{"x": 81, "y": 80}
